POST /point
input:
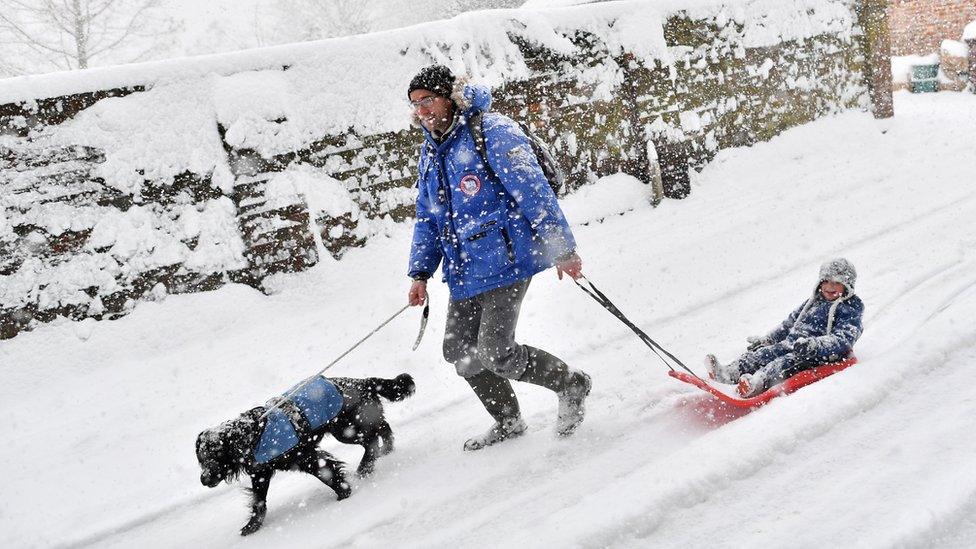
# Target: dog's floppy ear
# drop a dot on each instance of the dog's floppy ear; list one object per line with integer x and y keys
{"x": 208, "y": 439}
{"x": 213, "y": 445}
{"x": 202, "y": 442}
{"x": 202, "y": 438}
{"x": 215, "y": 456}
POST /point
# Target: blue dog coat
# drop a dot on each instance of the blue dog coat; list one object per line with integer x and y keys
{"x": 318, "y": 401}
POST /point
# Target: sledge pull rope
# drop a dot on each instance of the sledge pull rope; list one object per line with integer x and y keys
{"x": 423, "y": 325}
{"x": 602, "y": 299}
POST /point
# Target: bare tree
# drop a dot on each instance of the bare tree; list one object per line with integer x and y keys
{"x": 74, "y": 34}
{"x": 301, "y": 20}
{"x": 8, "y": 62}
{"x": 460, "y": 6}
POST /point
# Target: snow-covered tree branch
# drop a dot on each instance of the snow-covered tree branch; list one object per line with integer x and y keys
{"x": 75, "y": 34}
{"x": 317, "y": 19}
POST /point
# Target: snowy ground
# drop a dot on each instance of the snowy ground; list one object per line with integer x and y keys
{"x": 102, "y": 417}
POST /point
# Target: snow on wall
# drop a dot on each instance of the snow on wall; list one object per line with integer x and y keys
{"x": 257, "y": 162}
{"x": 969, "y": 33}
{"x": 358, "y": 82}
{"x": 150, "y": 136}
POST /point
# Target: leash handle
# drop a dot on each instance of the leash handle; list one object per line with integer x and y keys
{"x": 655, "y": 347}
{"x": 301, "y": 385}
{"x": 423, "y": 323}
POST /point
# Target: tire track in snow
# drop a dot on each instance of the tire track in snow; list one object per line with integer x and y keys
{"x": 909, "y": 287}
{"x": 956, "y": 529}
{"x": 944, "y": 285}
{"x": 98, "y": 537}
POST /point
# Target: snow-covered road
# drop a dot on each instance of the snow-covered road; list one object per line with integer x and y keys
{"x": 102, "y": 417}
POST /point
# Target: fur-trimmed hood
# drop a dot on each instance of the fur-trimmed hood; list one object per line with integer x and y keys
{"x": 467, "y": 98}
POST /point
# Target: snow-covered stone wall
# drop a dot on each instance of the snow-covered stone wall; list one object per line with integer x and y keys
{"x": 127, "y": 183}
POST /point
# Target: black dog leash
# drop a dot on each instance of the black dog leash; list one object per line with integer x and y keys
{"x": 602, "y": 299}
{"x": 287, "y": 398}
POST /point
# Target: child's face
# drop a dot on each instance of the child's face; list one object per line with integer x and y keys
{"x": 831, "y": 290}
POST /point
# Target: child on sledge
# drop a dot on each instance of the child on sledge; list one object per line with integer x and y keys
{"x": 821, "y": 330}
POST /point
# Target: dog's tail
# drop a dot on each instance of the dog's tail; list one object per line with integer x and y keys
{"x": 394, "y": 389}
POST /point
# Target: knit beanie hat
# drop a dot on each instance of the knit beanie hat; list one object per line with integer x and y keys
{"x": 839, "y": 270}
{"x": 435, "y": 78}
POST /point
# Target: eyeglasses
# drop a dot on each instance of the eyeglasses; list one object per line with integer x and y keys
{"x": 426, "y": 102}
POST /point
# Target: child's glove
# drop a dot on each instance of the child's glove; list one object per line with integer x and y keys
{"x": 805, "y": 347}
{"x": 756, "y": 342}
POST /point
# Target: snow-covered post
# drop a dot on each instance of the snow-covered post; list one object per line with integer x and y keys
{"x": 646, "y": 165}
{"x": 972, "y": 61}
{"x": 873, "y": 18}
{"x": 673, "y": 159}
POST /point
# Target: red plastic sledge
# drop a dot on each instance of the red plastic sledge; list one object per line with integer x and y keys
{"x": 802, "y": 379}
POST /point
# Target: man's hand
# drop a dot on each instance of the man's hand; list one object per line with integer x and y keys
{"x": 418, "y": 292}
{"x": 573, "y": 266}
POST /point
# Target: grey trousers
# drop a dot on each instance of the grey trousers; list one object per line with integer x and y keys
{"x": 480, "y": 341}
{"x": 480, "y": 333}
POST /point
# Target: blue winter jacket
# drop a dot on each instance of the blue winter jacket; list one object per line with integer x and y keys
{"x": 490, "y": 228}
{"x": 834, "y": 326}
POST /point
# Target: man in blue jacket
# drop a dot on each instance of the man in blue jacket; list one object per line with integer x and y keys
{"x": 822, "y": 329}
{"x": 490, "y": 228}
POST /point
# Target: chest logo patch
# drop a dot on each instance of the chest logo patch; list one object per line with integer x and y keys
{"x": 470, "y": 185}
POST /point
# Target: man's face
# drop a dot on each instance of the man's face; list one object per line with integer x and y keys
{"x": 435, "y": 112}
{"x": 831, "y": 290}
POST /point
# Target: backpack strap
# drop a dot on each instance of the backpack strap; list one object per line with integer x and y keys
{"x": 547, "y": 162}
{"x": 476, "y": 126}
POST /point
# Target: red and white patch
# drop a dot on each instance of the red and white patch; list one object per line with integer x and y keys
{"x": 470, "y": 185}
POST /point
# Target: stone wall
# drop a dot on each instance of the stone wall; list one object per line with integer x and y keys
{"x": 715, "y": 90}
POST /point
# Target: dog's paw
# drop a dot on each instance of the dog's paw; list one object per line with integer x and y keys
{"x": 252, "y": 526}
{"x": 343, "y": 490}
{"x": 365, "y": 469}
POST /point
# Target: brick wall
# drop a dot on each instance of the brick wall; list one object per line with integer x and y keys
{"x": 919, "y": 26}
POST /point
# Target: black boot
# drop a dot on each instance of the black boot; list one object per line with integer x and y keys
{"x": 546, "y": 370}
{"x": 572, "y": 386}
{"x": 498, "y": 398}
{"x": 496, "y": 394}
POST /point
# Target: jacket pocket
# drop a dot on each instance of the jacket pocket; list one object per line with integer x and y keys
{"x": 486, "y": 248}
